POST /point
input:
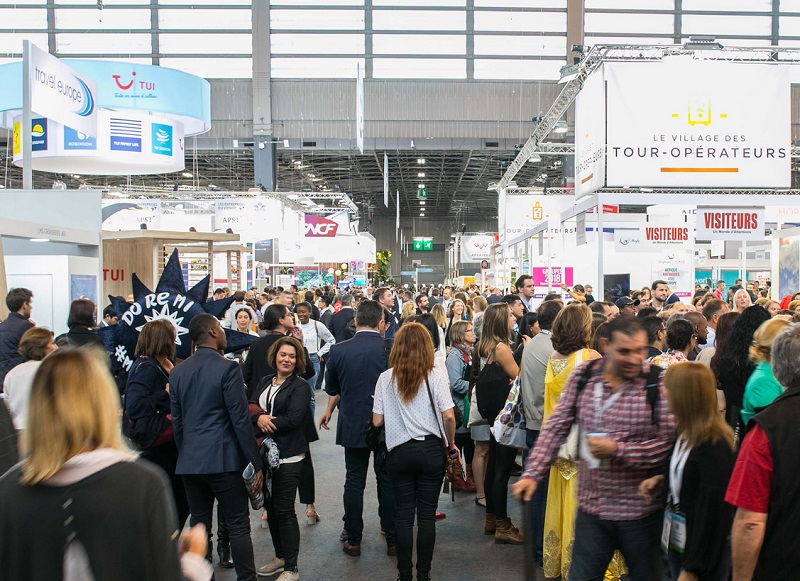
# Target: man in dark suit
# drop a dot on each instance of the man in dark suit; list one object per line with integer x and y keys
{"x": 215, "y": 438}
{"x": 384, "y": 296}
{"x": 352, "y": 370}
{"x": 340, "y": 320}
{"x": 20, "y": 304}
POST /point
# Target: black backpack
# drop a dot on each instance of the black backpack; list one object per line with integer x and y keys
{"x": 651, "y": 385}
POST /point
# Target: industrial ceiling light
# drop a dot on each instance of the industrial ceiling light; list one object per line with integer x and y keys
{"x": 422, "y": 203}
{"x": 702, "y": 42}
{"x": 535, "y": 158}
{"x": 421, "y": 174}
{"x": 187, "y": 175}
{"x": 421, "y": 161}
{"x": 422, "y": 214}
{"x": 561, "y": 127}
{"x": 421, "y": 186}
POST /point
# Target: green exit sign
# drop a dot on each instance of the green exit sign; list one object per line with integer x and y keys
{"x": 422, "y": 193}
{"x": 423, "y": 244}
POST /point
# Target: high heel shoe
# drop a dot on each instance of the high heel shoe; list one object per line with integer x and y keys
{"x": 312, "y": 517}
{"x": 480, "y": 501}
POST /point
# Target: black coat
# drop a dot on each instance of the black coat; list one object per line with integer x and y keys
{"x": 292, "y": 415}
{"x": 83, "y": 337}
{"x": 339, "y": 324}
{"x": 210, "y": 415}
{"x": 351, "y": 371}
{"x": 11, "y": 330}
{"x": 256, "y": 367}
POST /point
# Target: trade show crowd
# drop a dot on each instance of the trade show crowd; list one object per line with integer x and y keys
{"x": 654, "y": 438}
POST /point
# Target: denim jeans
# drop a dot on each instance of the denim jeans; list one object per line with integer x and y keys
{"x": 228, "y": 488}
{"x": 281, "y": 517}
{"x": 498, "y": 471}
{"x": 313, "y": 381}
{"x": 639, "y": 541}
{"x": 416, "y": 469}
{"x": 356, "y": 462}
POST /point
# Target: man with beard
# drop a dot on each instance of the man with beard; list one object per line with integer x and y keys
{"x": 700, "y": 330}
{"x": 627, "y": 434}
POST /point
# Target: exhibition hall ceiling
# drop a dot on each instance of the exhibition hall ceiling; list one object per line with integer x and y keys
{"x": 457, "y": 182}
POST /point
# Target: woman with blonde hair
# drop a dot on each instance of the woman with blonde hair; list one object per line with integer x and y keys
{"x": 440, "y": 316}
{"x": 80, "y": 506}
{"x": 571, "y": 334}
{"x": 479, "y": 306}
{"x": 762, "y": 388}
{"x": 773, "y": 307}
{"x": 409, "y": 310}
{"x": 741, "y": 300}
{"x": 697, "y": 478}
{"x": 794, "y": 306}
{"x": 413, "y": 400}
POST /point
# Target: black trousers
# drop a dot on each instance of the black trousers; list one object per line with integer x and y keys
{"x": 498, "y": 471}
{"x": 356, "y": 462}
{"x": 282, "y": 519}
{"x": 307, "y": 483}
{"x": 229, "y": 490}
{"x": 466, "y": 444}
{"x": 165, "y": 457}
{"x": 416, "y": 469}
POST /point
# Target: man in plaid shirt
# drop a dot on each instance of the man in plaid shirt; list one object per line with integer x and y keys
{"x": 621, "y": 445}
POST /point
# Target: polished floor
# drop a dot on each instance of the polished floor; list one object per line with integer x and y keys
{"x": 462, "y": 552}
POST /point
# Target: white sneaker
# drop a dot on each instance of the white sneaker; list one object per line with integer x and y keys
{"x": 289, "y": 576}
{"x": 274, "y": 566}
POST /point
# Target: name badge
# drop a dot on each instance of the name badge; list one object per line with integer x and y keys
{"x": 673, "y": 532}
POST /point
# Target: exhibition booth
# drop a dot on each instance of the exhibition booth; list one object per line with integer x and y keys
{"x": 673, "y": 131}
{"x": 51, "y": 244}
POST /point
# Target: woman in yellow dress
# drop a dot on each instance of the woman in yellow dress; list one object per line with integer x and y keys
{"x": 572, "y": 334}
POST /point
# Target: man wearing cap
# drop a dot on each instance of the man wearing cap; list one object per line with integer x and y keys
{"x": 627, "y": 306}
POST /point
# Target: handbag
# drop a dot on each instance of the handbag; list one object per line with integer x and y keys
{"x": 569, "y": 449}
{"x": 374, "y": 437}
{"x": 151, "y": 430}
{"x": 474, "y": 417}
{"x": 454, "y": 467}
{"x": 509, "y": 425}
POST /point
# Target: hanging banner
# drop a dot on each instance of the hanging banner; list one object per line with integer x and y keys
{"x": 554, "y": 277}
{"x": 61, "y": 93}
{"x": 590, "y": 135}
{"x": 653, "y": 237}
{"x": 476, "y": 247}
{"x": 730, "y": 223}
{"x": 693, "y": 123}
{"x": 385, "y": 180}
{"x": 580, "y": 225}
{"x": 522, "y": 213}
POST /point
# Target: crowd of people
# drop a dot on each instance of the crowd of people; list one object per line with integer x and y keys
{"x": 657, "y": 437}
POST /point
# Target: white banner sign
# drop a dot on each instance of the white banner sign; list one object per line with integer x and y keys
{"x": 698, "y": 124}
{"x": 476, "y": 247}
{"x": 653, "y": 237}
{"x": 590, "y": 135}
{"x": 675, "y": 268}
{"x": 730, "y": 224}
{"x": 61, "y": 93}
{"x": 522, "y": 213}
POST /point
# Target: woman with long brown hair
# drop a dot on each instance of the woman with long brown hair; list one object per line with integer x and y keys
{"x": 498, "y": 369}
{"x": 413, "y": 400}
{"x": 699, "y": 470}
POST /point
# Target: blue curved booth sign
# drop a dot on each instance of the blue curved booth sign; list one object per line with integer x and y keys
{"x": 124, "y": 85}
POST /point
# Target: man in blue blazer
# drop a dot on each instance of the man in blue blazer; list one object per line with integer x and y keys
{"x": 340, "y": 320}
{"x": 215, "y": 438}
{"x": 351, "y": 372}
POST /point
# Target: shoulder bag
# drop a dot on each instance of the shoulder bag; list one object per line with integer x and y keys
{"x": 454, "y": 467}
{"x": 151, "y": 430}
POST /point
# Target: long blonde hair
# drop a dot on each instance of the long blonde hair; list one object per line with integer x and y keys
{"x": 693, "y": 399}
{"x": 74, "y": 407}
{"x": 761, "y": 348}
{"x": 439, "y": 315}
